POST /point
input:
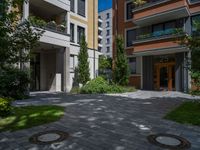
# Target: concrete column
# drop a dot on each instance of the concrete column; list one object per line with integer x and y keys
{"x": 67, "y": 18}
{"x": 43, "y": 71}
{"x": 58, "y": 76}
{"x": 66, "y": 70}
{"x": 188, "y": 26}
{"x": 141, "y": 72}
{"x": 189, "y": 72}
{"x": 26, "y": 10}
{"x": 185, "y": 73}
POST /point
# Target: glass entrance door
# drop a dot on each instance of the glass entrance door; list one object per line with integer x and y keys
{"x": 164, "y": 74}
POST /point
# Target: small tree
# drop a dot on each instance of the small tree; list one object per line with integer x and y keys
{"x": 105, "y": 67}
{"x": 121, "y": 68}
{"x": 17, "y": 37}
{"x": 193, "y": 43}
{"x": 83, "y": 64}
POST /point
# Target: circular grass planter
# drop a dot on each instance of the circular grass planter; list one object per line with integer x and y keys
{"x": 169, "y": 141}
{"x": 48, "y": 137}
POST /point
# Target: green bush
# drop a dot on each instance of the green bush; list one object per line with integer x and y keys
{"x": 14, "y": 83}
{"x": 5, "y": 107}
{"x": 100, "y": 86}
{"x": 75, "y": 90}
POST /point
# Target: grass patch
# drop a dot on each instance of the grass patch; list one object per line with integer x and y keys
{"x": 30, "y": 116}
{"x": 187, "y": 113}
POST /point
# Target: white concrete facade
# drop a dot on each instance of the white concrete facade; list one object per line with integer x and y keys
{"x": 52, "y": 63}
{"x": 105, "y": 32}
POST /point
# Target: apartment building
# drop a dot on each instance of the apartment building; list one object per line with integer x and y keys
{"x": 105, "y": 32}
{"x": 54, "y": 60}
{"x": 157, "y": 61}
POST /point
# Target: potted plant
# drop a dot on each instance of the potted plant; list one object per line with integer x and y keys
{"x": 139, "y": 3}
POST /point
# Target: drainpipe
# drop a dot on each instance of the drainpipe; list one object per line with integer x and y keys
{"x": 94, "y": 38}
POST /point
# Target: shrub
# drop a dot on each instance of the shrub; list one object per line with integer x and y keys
{"x": 100, "y": 86}
{"x": 14, "y": 83}
{"x": 75, "y": 90}
{"x": 5, "y": 107}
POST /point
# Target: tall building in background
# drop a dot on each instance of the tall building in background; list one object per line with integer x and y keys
{"x": 105, "y": 32}
{"x": 54, "y": 60}
{"x": 156, "y": 61}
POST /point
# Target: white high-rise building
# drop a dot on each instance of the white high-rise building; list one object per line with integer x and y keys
{"x": 105, "y": 32}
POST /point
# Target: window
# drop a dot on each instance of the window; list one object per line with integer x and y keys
{"x": 130, "y": 37}
{"x": 107, "y": 32}
{"x": 72, "y": 5}
{"x": 107, "y": 16}
{"x": 81, "y": 7}
{"x": 195, "y": 19}
{"x": 108, "y": 49}
{"x": 107, "y": 41}
{"x": 80, "y": 33}
{"x": 129, "y": 8}
{"x": 71, "y": 32}
{"x": 72, "y": 63}
{"x": 132, "y": 65}
{"x": 1, "y": 8}
{"x": 107, "y": 24}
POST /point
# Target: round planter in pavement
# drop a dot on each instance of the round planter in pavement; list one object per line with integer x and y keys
{"x": 169, "y": 141}
{"x": 49, "y": 137}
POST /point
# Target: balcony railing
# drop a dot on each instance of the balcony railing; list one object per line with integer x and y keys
{"x": 50, "y": 26}
{"x": 148, "y": 3}
{"x": 159, "y": 35}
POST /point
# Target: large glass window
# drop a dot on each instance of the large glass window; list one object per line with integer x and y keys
{"x": 129, "y": 8}
{"x": 107, "y": 32}
{"x": 72, "y": 6}
{"x": 81, "y": 7}
{"x": 107, "y": 24}
{"x": 108, "y": 49}
{"x": 194, "y": 20}
{"x": 1, "y": 7}
{"x": 130, "y": 37}
{"x": 107, "y": 16}
{"x": 71, "y": 32}
{"x": 80, "y": 33}
{"x": 132, "y": 65}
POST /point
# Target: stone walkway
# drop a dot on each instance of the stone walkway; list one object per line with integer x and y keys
{"x": 106, "y": 122}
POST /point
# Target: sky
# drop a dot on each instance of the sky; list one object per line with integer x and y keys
{"x": 104, "y": 4}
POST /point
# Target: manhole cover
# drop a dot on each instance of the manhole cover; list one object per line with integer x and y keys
{"x": 169, "y": 141}
{"x": 49, "y": 137}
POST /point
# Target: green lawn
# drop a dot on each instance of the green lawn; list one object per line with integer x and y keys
{"x": 30, "y": 116}
{"x": 187, "y": 113}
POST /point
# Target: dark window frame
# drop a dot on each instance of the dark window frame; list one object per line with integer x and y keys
{"x": 72, "y": 32}
{"x": 127, "y": 41}
{"x": 79, "y": 9}
{"x": 129, "y": 16}
{"x": 79, "y": 35}
{"x": 135, "y": 61}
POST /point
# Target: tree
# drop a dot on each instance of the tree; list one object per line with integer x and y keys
{"x": 121, "y": 68}
{"x": 83, "y": 64}
{"x": 193, "y": 43}
{"x": 17, "y": 37}
{"x": 105, "y": 67}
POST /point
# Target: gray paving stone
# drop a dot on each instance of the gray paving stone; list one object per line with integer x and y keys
{"x": 106, "y": 122}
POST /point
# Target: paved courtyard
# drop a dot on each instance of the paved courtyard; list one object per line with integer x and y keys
{"x": 106, "y": 122}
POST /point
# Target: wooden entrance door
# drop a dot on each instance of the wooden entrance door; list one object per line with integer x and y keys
{"x": 165, "y": 76}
